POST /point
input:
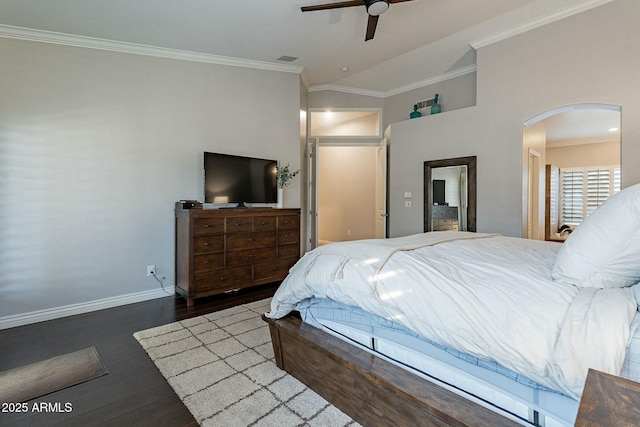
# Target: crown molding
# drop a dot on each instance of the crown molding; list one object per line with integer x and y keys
{"x": 304, "y": 80}
{"x": 380, "y": 94}
{"x": 547, "y": 19}
{"x": 432, "y": 80}
{"x": 347, "y": 89}
{"x": 22, "y": 33}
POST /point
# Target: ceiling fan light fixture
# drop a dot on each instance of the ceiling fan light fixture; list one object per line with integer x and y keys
{"x": 377, "y": 7}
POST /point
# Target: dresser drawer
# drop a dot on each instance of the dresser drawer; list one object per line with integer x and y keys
{"x": 202, "y": 226}
{"x": 208, "y": 261}
{"x": 264, "y": 223}
{"x": 239, "y": 224}
{"x": 250, "y": 256}
{"x": 288, "y": 236}
{"x": 288, "y": 222}
{"x": 273, "y": 271}
{"x": 251, "y": 240}
{"x": 208, "y": 244}
{"x": 223, "y": 279}
{"x": 444, "y": 212}
{"x": 288, "y": 251}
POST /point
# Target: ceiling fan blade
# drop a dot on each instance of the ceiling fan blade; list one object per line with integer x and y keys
{"x": 371, "y": 27}
{"x": 337, "y": 5}
{"x": 398, "y": 1}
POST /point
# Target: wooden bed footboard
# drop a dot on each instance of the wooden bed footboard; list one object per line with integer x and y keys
{"x": 372, "y": 391}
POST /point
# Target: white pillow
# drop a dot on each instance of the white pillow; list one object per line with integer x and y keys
{"x": 604, "y": 250}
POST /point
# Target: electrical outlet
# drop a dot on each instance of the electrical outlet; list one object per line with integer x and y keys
{"x": 151, "y": 270}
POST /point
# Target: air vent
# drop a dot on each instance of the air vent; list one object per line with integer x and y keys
{"x": 287, "y": 58}
{"x": 424, "y": 104}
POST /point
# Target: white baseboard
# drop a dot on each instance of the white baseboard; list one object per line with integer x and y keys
{"x": 7, "y": 322}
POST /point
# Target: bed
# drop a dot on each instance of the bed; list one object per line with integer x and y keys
{"x": 465, "y": 328}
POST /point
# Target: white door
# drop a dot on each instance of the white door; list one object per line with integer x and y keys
{"x": 381, "y": 190}
{"x": 312, "y": 193}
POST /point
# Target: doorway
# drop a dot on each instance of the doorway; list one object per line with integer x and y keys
{"x": 563, "y": 150}
{"x": 347, "y": 176}
{"x": 347, "y": 192}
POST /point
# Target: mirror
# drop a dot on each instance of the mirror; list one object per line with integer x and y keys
{"x": 450, "y": 194}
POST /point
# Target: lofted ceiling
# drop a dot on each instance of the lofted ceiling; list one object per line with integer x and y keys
{"x": 415, "y": 40}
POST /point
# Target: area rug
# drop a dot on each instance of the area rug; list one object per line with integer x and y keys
{"x": 40, "y": 378}
{"x": 222, "y": 367}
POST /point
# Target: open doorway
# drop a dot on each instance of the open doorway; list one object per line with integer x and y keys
{"x": 346, "y": 193}
{"x": 571, "y": 162}
{"x": 346, "y": 177}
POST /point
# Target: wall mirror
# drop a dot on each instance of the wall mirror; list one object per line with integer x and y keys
{"x": 450, "y": 194}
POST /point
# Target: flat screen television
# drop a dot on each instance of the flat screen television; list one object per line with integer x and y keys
{"x": 239, "y": 180}
{"x": 439, "y": 186}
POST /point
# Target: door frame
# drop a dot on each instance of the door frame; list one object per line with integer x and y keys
{"x": 313, "y": 161}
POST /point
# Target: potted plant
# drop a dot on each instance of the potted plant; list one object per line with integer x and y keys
{"x": 284, "y": 175}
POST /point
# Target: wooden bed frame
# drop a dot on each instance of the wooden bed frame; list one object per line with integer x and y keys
{"x": 372, "y": 391}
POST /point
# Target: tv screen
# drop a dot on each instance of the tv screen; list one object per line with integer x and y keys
{"x": 237, "y": 179}
{"x": 439, "y": 186}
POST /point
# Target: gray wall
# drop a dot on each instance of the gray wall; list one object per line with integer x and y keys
{"x": 95, "y": 148}
{"x": 562, "y": 63}
{"x": 335, "y": 99}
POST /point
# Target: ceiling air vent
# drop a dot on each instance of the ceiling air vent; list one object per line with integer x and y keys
{"x": 424, "y": 104}
{"x": 287, "y": 58}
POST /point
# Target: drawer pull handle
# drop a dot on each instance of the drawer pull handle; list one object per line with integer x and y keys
{"x": 206, "y": 243}
{"x": 252, "y": 256}
{"x": 286, "y": 236}
{"x": 222, "y": 279}
{"x": 206, "y": 226}
{"x": 206, "y": 261}
{"x": 263, "y": 223}
{"x": 251, "y": 240}
{"x": 286, "y": 222}
{"x": 238, "y": 224}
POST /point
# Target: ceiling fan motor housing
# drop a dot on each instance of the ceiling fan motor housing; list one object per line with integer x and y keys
{"x": 376, "y": 7}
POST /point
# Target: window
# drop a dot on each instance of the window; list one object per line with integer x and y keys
{"x": 584, "y": 189}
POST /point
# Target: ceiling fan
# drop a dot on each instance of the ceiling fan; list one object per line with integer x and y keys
{"x": 375, "y": 8}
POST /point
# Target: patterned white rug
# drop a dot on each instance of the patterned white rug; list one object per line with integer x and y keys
{"x": 222, "y": 367}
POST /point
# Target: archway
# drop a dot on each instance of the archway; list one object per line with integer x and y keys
{"x": 584, "y": 138}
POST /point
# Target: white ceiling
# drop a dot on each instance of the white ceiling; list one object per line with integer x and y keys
{"x": 582, "y": 126}
{"x": 415, "y": 41}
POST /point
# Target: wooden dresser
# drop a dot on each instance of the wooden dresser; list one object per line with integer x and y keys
{"x": 219, "y": 250}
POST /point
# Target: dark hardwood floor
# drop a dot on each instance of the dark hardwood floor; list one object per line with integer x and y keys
{"x": 134, "y": 393}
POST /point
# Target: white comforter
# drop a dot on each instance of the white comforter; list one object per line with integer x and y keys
{"x": 486, "y": 295}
